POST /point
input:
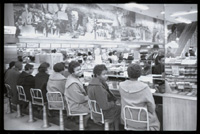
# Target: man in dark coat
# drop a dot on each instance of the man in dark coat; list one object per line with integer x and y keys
{"x": 27, "y": 81}
{"x": 11, "y": 77}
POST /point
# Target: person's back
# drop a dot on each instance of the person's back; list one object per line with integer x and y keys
{"x": 137, "y": 94}
{"x": 27, "y": 80}
{"x": 56, "y": 82}
{"x": 11, "y": 78}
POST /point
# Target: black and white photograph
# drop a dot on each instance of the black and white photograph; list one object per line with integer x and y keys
{"x": 100, "y": 67}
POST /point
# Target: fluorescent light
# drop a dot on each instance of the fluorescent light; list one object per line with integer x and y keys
{"x": 133, "y": 46}
{"x": 142, "y": 7}
{"x": 183, "y": 13}
{"x": 180, "y": 19}
{"x": 108, "y": 46}
{"x": 90, "y": 46}
{"x": 162, "y": 12}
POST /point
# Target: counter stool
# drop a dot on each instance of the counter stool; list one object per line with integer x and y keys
{"x": 81, "y": 125}
{"x": 135, "y": 118}
{"x": 93, "y": 109}
{"x": 22, "y": 97}
{"x": 55, "y": 102}
{"x": 37, "y": 99}
{"x": 9, "y": 91}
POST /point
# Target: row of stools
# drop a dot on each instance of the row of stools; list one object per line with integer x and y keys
{"x": 55, "y": 102}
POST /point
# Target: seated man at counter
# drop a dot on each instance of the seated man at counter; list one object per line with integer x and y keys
{"x": 98, "y": 90}
{"x": 11, "y": 78}
{"x": 27, "y": 81}
{"x": 137, "y": 94}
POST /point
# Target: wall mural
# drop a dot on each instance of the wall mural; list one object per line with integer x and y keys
{"x": 86, "y": 21}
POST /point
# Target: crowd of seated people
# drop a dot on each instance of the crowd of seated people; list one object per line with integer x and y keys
{"x": 133, "y": 92}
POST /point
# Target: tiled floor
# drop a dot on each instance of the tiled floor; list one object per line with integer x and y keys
{"x": 13, "y": 123}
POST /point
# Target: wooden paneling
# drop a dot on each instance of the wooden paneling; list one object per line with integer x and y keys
{"x": 179, "y": 114}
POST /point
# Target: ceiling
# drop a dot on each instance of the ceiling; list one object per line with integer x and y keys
{"x": 156, "y": 9}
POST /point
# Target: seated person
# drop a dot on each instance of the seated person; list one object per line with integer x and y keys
{"x": 75, "y": 92}
{"x": 98, "y": 90}
{"x": 10, "y": 78}
{"x": 27, "y": 81}
{"x": 41, "y": 78}
{"x": 137, "y": 94}
{"x": 56, "y": 82}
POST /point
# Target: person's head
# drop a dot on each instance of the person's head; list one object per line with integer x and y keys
{"x": 110, "y": 53}
{"x": 59, "y": 67}
{"x": 161, "y": 59}
{"x": 100, "y": 71}
{"x": 43, "y": 67}
{"x": 29, "y": 68}
{"x": 134, "y": 71}
{"x": 75, "y": 68}
{"x": 11, "y": 65}
{"x": 115, "y": 52}
{"x": 18, "y": 65}
{"x": 155, "y": 48}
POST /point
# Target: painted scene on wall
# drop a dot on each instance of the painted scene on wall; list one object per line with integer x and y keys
{"x": 86, "y": 21}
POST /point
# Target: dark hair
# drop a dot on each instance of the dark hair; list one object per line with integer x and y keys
{"x": 58, "y": 67}
{"x": 155, "y": 46}
{"x": 43, "y": 67}
{"x": 98, "y": 69}
{"x": 18, "y": 65}
{"x": 28, "y": 66}
{"x": 134, "y": 70}
{"x": 110, "y": 53}
{"x": 89, "y": 53}
{"x": 11, "y": 64}
{"x": 72, "y": 65}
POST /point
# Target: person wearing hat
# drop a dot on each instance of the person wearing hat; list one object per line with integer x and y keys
{"x": 11, "y": 78}
{"x": 27, "y": 81}
{"x": 137, "y": 94}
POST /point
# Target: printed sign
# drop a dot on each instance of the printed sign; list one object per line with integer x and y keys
{"x": 175, "y": 70}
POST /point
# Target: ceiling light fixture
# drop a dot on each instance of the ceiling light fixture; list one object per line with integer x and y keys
{"x": 183, "y": 13}
{"x": 139, "y": 6}
{"x": 180, "y": 19}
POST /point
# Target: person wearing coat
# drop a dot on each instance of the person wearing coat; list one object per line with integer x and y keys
{"x": 56, "y": 82}
{"x": 137, "y": 94}
{"x": 11, "y": 78}
{"x": 98, "y": 90}
{"x": 27, "y": 81}
{"x": 75, "y": 92}
{"x": 41, "y": 79}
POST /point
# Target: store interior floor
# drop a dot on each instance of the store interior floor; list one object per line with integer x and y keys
{"x": 13, "y": 123}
